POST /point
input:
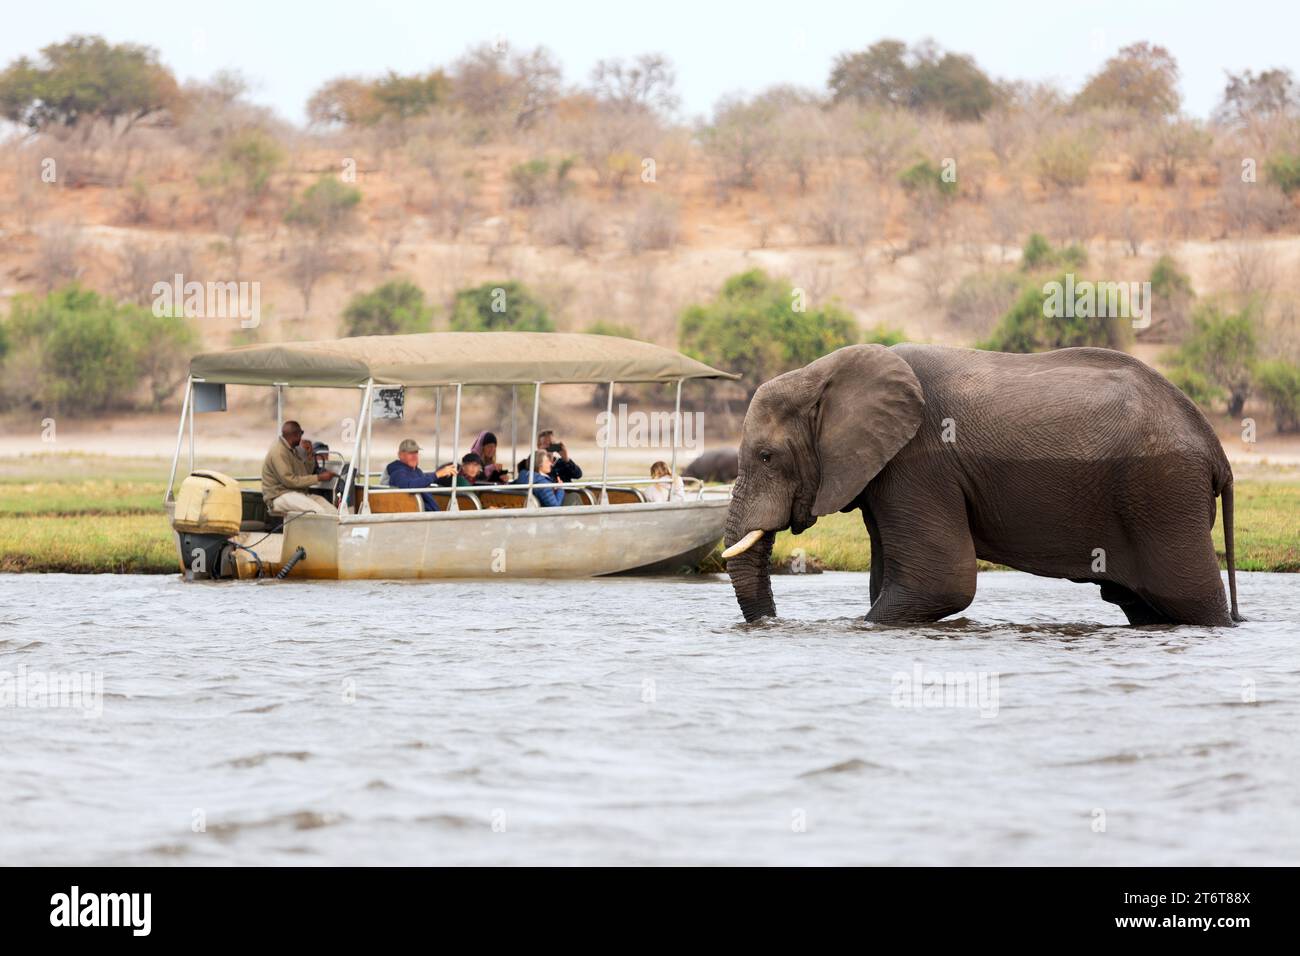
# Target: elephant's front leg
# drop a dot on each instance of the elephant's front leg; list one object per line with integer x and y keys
{"x": 927, "y": 559}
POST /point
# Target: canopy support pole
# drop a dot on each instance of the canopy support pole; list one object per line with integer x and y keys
{"x": 604, "y": 460}
{"x": 677, "y": 440}
{"x": 437, "y": 430}
{"x": 532, "y": 463}
{"x": 279, "y": 406}
{"x": 180, "y": 436}
{"x": 370, "y": 423}
{"x": 356, "y": 447}
{"x": 191, "y": 435}
{"x": 514, "y": 435}
{"x": 455, "y": 444}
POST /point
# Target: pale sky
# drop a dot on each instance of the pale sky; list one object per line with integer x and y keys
{"x": 288, "y": 48}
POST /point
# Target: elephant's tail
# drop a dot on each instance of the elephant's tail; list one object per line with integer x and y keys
{"x": 1229, "y": 551}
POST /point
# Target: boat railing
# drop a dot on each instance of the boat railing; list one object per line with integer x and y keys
{"x": 697, "y": 487}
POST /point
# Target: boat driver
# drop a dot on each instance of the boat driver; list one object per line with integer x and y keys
{"x": 289, "y": 470}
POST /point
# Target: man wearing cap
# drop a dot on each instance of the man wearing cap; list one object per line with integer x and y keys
{"x": 406, "y": 473}
{"x": 289, "y": 470}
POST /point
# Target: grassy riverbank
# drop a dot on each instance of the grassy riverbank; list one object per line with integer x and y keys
{"x": 88, "y": 514}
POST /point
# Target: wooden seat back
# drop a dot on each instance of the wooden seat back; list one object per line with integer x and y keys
{"x": 391, "y": 504}
{"x": 503, "y": 499}
{"x": 465, "y": 500}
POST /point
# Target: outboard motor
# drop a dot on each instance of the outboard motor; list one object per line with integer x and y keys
{"x": 208, "y": 512}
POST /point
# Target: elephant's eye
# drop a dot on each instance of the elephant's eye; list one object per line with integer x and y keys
{"x": 765, "y": 456}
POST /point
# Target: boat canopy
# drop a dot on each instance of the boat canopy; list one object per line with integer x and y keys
{"x": 450, "y": 358}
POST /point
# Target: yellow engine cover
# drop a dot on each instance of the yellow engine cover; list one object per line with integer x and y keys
{"x": 208, "y": 503}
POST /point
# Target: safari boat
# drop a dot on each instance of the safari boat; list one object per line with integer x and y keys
{"x": 607, "y": 526}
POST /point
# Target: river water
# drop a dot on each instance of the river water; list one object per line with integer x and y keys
{"x": 636, "y": 721}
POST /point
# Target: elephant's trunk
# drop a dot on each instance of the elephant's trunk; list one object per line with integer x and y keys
{"x": 751, "y": 577}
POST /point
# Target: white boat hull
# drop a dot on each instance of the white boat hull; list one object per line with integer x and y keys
{"x": 512, "y": 543}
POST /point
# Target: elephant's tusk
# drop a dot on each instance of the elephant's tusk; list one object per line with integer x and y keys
{"x": 743, "y": 545}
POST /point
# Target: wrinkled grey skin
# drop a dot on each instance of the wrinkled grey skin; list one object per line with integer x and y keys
{"x": 720, "y": 464}
{"x": 1083, "y": 464}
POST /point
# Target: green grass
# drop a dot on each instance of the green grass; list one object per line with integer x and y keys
{"x": 88, "y": 544}
{"x": 82, "y": 513}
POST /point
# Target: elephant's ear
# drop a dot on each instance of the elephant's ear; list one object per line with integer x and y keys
{"x": 869, "y": 405}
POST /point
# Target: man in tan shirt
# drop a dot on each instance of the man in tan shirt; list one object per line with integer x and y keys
{"x": 290, "y": 469}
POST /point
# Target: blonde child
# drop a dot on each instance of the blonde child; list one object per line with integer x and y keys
{"x": 662, "y": 490}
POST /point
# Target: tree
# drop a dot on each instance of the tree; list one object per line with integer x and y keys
{"x": 878, "y": 75}
{"x": 320, "y": 214}
{"x": 74, "y": 349}
{"x": 741, "y": 140}
{"x": 951, "y": 84}
{"x": 393, "y": 308}
{"x": 1172, "y": 296}
{"x": 925, "y": 78}
{"x": 351, "y": 101}
{"x": 1250, "y": 98}
{"x": 517, "y": 87}
{"x": 1140, "y": 78}
{"x": 499, "y": 307}
{"x": 1032, "y": 325}
{"x": 1220, "y": 353}
{"x": 1178, "y": 143}
{"x": 237, "y": 179}
{"x": 85, "y": 79}
{"x": 886, "y": 137}
{"x": 754, "y": 326}
{"x": 1279, "y": 383}
{"x": 644, "y": 84}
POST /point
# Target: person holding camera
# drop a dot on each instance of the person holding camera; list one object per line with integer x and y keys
{"x": 562, "y": 466}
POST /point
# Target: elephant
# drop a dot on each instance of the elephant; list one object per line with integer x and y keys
{"x": 1079, "y": 463}
{"x": 720, "y": 464}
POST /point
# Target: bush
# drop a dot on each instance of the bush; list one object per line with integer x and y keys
{"x": 499, "y": 307}
{"x": 537, "y": 181}
{"x": 1284, "y": 171}
{"x": 1217, "y": 358}
{"x": 1279, "y": 383}
{"x": 1171, "y": 299}
{"x": 1027, "y": 327}
{"x": 884, "y": 335}
{"x": 616, "y": 329}
{"x": 325, "y": 207}
{"x": 654, "y": 225}
{"x": 1065, "y": 161}
{"x": 570, "y": 222}
{"x": 1194, "y": 385}
{"x": 751, "y": 327}
{"x": 74, "y": 350}
{"x": 924, "y": 178}
{"x": 1039, "y": 254}
{"x": 393, "y": 308}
